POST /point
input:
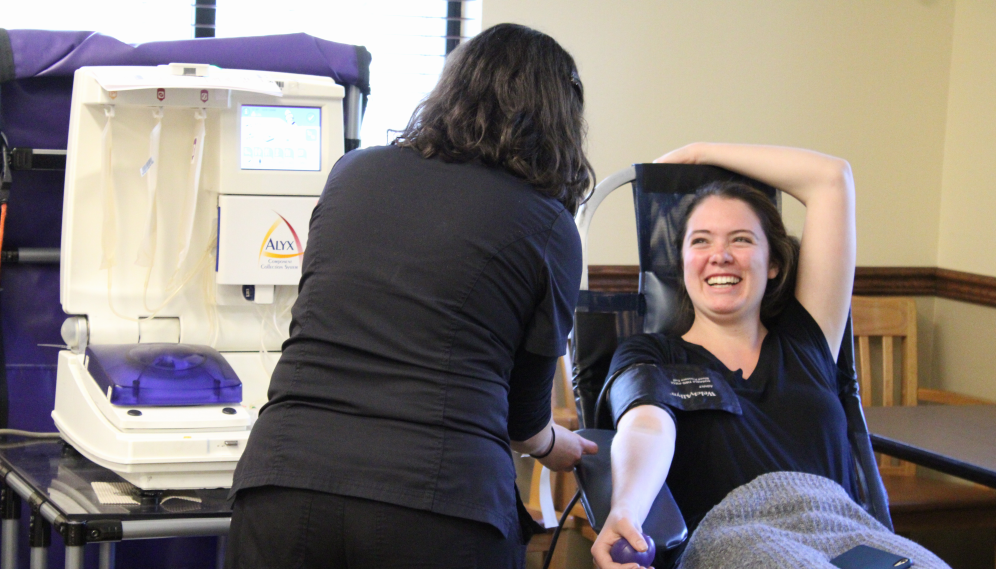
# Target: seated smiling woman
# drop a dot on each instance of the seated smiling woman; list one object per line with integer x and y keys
{"x": 763, "y": 316}
{"x": 768, "y": 315}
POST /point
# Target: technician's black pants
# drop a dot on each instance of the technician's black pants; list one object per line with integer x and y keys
{"x": 276, "y": 527}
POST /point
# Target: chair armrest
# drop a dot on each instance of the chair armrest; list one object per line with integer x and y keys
{"x": 594, "y": 476}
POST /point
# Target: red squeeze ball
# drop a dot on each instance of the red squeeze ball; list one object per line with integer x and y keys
{"x": 623, "y": 552}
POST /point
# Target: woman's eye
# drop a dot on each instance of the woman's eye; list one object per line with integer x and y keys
{"x": 697, "y": 241}
{"x": 742, "y": 239}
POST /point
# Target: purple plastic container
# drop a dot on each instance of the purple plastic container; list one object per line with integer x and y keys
{"x": 163, "y": 374}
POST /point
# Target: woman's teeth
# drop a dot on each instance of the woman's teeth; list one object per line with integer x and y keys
{"x": 722, "y": 280}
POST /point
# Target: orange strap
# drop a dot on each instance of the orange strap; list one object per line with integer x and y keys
{"x": 3, "y": 220}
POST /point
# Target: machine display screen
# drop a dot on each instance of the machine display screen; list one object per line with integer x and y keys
{"x": 281, "y": 138}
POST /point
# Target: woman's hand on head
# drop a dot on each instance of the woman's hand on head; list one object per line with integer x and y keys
{"x": 619, "y": 525}
{"x": 567, "y": 450}
{"x": 825, "y": 185}
{"x": 688, "y": 154}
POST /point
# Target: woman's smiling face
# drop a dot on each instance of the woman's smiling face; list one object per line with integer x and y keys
{"x": 726, "y": 260}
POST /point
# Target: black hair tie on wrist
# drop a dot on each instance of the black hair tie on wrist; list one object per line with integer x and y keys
{"x": 553, "y": 442}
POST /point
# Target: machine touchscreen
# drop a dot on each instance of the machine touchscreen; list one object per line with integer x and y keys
{"x": 281, "y": 138}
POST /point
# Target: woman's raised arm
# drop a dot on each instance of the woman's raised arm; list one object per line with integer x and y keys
{"x": 823, "y": 184}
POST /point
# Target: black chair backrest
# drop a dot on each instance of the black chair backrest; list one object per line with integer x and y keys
{"x": 602, "y": 320}
{"x": 661, "y": 194}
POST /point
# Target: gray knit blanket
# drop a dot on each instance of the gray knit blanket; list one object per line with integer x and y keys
{"x": 791, "y": 520}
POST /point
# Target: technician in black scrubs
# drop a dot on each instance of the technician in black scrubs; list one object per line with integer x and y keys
{"x": 438, "y": 290}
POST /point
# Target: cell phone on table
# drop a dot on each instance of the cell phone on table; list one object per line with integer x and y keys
{"x": 866, "y": 557}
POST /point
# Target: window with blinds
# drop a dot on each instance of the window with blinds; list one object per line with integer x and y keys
{"x": 408, "y": 40}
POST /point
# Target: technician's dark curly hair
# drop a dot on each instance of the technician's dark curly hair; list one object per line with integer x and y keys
{"x": 783, "y": 249}
{"x": 510, "y": 98}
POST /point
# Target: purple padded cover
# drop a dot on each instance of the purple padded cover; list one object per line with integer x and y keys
{"x": 41, "y": 53}
{"x": 37, "y": 66}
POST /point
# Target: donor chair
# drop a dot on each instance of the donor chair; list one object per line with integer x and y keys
{"x": 661, "y": 193}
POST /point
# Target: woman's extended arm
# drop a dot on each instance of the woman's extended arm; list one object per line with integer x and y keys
{"x": 641, "y": 457}
{"x": 823, "y": 184}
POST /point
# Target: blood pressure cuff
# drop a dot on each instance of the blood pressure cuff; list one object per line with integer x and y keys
{"x": 672, "y": 387}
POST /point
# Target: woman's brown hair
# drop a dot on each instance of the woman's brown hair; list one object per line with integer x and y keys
{"x": 509, "y": 98}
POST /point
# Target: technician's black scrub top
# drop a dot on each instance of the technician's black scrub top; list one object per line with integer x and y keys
{"x": 422, "y": 282}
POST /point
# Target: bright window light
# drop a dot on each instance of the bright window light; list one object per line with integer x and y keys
{"x": 131, "y": 21}
{"x": 405, "y": 37}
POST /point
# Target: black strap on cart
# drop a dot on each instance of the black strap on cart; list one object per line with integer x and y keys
{"x": 6, "y": 180}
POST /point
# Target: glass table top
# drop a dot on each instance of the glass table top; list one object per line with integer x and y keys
{"x": 71, "y": 482}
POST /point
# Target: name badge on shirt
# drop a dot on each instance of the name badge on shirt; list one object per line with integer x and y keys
{"x": 697, "y": 388}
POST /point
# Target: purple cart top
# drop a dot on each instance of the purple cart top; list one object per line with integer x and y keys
{"x": 37, "y": 67}
{"x": 42, "y": 53}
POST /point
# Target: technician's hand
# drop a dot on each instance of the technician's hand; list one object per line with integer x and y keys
{"x": 618, "y": 525}
{"x": 567, "y": 450}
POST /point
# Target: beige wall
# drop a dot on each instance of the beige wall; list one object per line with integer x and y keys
{"x": 865, "y": 80}
{"x": 964, "y": 348}
{"x": 967, "y": 226}
{"x": 905, "y": 90}
{"x": 926, "y": 307}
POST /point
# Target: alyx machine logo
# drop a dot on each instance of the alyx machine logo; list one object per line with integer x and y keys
{"x": 280, "y": 247}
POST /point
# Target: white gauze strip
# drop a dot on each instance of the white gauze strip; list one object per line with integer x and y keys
{"x": 109, "y": 231}
{"x": 147, "y": 250}
{"x": 190, "y": 203}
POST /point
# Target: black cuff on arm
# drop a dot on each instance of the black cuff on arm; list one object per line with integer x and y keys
{"x": 636, "y": 385}
{"x": 529, "y": 393}
{"x": 681, "y": 387}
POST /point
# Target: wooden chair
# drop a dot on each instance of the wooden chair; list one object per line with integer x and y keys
{"x": 916, "y": 502}
{"x": 886, "y": 320}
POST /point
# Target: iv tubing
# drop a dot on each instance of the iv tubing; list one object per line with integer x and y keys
{"x": 197, "y": 268}
{"x": 29, "y": 434}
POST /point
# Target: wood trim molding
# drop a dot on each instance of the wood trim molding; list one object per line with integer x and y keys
{"x": 956, "y": 285}
{"x": 895, "y": 281}
{"x": 868, "y": 281}
{"x": 614, "y": 278}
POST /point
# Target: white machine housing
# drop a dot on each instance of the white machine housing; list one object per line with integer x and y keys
{"x": 166, "y": 242}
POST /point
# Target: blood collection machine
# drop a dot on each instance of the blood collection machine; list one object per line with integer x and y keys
{"x": 188, "y": 195}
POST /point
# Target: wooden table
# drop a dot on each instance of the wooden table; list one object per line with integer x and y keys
{"x": 955, "y": 439}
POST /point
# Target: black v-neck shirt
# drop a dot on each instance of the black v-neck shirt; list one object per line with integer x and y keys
{"x": 426, "y": 287}
{"x": 790, "y": 414}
